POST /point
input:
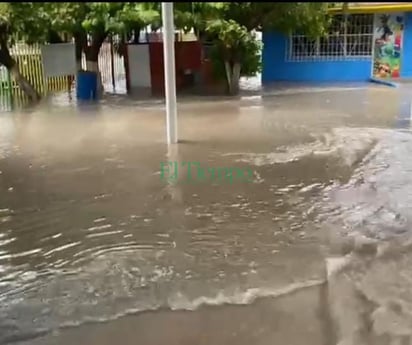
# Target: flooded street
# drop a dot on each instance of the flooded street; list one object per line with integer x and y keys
{"x": 97, "y": 248}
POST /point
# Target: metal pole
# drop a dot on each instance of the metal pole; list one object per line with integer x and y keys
{"x": 170, "y": 73}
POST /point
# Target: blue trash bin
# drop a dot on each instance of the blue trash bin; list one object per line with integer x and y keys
{"x": 86, "y": 86}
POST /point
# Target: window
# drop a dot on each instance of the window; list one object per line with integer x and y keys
{"x": 303, "y": 46}
{"x": 347, "y": 38}
{"x": 359, "y": 35}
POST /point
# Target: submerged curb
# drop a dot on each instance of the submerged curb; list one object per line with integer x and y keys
{"x": 383, "y": 82}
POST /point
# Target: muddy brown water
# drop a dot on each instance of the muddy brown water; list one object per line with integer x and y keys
{"x": 96, "y": 248}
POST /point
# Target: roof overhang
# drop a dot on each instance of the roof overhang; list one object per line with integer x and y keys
{"x": 372, "y": 7}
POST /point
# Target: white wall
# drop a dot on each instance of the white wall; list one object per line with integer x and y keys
{"x": 139, "y": 65}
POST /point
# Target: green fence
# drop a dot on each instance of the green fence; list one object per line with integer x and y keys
{"x": 5, "y": 89}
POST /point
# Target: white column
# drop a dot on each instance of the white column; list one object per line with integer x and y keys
{"x": 170, "y": 73}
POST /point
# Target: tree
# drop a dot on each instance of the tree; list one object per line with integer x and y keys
{"x": 196, "y": 16}
{"x": 134, "y": 17}
{"x": 231, "y": 26}
{"x": 188, "y": 15}
{"x": 89, "y": 23}
{"x": 310, "y": 18}
{"x": 26, "y": 21}
{"x": 236, "y": 49}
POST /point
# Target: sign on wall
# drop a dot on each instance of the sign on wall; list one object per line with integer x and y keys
{"x": 388, "y": 33}
{"x": 58, "y": 59}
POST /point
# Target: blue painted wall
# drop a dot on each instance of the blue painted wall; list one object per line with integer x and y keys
{"x": 276, "y": 68}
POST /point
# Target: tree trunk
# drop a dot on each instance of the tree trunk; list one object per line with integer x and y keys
{"x": 92, "y": 58}
{"x": 53, "y": 37}
{"x": 123, "y": 52}
{"x": 92, "y": 65}
{"x": 24, "y": 84}
{"x": 7, "y": 60}
{"x": 136, "y": 36}
{"x": 232, "y": 77}
{"x": 79, "y": 45}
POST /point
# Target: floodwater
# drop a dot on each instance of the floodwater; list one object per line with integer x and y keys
{"x": 97, "y": 248}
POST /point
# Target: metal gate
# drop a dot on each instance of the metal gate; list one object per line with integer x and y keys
{"x": 112, "y": 67}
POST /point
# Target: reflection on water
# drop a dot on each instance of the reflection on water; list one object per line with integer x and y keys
{"x": 89, "y": 232}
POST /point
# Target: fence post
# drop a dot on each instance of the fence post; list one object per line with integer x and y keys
{"x": 10, "y": 89}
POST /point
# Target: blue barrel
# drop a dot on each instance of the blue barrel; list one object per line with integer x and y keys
{"x": 86, "y": 86}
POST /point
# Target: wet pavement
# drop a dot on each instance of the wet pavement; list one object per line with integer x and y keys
{"x": 97, "y": 248}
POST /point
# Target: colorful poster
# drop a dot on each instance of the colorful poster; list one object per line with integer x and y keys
{"x": 388, "y": 30}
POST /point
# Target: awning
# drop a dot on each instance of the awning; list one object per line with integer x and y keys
{"x": 373, "y": 7}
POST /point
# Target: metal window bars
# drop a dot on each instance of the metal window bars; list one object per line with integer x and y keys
{"x": 350, "y": 37}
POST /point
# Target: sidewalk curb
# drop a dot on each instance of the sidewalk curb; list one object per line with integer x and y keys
{"x": 383, "y": 82}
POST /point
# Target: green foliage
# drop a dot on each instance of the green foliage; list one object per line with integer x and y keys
{"x": 4, "y": 12}
{"x": 90, "y": 17}
{"x": 99, "y": 17}
{"x": 5, "y": 25}
{"x": 233, "y": 43}
{"x": 32, "y": 20}
{"x": 134, "y": 15}
{"x": 45, "y": 22}
{"x": 252, "y": 59}
{"x": 195, "y": 15}
{"x": 230, "y": 25}
{"x": 102, "y": 17}
{"x": 66, "y": 16}
{"x": 310, "y": 18}
{"x": 26, "y": 21}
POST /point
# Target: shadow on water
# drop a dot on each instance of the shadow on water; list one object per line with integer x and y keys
{"x": 9, "y": 104}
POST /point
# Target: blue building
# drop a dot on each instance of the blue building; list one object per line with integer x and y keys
{"x": 373, "y": 40}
